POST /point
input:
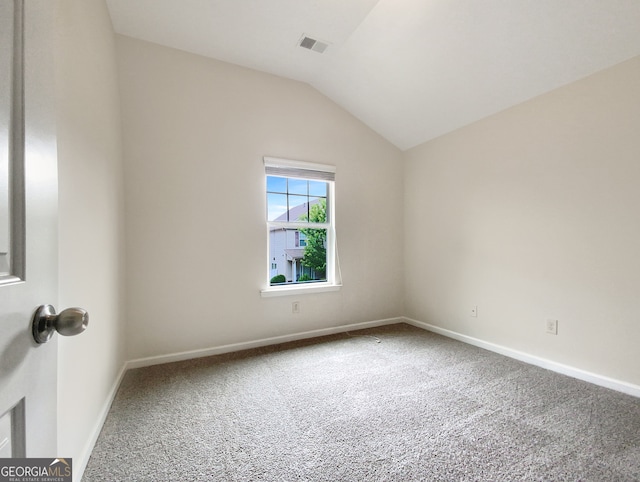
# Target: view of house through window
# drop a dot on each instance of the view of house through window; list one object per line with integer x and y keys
{"x": 299, "y": 223}
{"x": 298, "y": 254}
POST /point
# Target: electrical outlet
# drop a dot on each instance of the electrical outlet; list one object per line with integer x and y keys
{"x": 474, "y": 311}
{"x": 295, "y": 307}
{"x": 552, "y": 327}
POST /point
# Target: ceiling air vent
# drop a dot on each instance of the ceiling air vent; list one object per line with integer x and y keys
{"x": 313, "y": 44}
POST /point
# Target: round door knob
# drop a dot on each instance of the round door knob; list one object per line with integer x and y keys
{"x": 69, "y": 322}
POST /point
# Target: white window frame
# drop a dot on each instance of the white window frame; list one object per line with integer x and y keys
{"x": 310, "y": 171}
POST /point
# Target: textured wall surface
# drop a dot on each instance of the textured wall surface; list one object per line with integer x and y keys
{"x": 532, "y": 214}
{"x": 195, "y": 133}
{"x": 91, "y": 248}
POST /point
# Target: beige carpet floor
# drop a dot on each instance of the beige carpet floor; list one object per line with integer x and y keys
{"x": 388, "y": 404}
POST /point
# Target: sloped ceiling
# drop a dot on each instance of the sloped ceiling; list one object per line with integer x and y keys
{"x": 412, "y": 70}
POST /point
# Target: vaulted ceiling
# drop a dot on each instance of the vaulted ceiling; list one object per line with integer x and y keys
{"x": 412, "y": 70}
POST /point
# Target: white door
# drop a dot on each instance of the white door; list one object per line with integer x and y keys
{"x": 28, "y": 227}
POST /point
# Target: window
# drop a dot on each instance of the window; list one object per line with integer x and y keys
{"x": 300, "y": 225}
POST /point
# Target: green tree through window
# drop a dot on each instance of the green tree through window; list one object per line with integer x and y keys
{"x": 315, "y": 252}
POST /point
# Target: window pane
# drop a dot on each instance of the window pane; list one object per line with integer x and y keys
{"x": 317, "y": 188}
{"x": 317, "y": 210}
{"x": 276, "y": 207}
{"x": 298, "y": 208}
{"x": 298, "y": 186}
{"x": 313, "y": 264}
{"x": 276, "y": 184}
{"x": 301, "y": 255}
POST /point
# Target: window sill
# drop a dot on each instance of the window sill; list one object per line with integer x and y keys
{"x": 298, "y": 290}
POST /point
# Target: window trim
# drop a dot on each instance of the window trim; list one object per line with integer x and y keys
{"x": 310, "y": 171}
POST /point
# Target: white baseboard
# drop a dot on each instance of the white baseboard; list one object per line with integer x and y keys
{"x": 218, "y": 350}
{"x": 79, "y": 465}
{"x": 586, "y": 376}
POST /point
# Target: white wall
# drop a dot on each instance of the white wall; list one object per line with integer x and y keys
{"x": 91, "y": 252}
{"x": 533, "y": 214}
{"x": 195, "y": 132}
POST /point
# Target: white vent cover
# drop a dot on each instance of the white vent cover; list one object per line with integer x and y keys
{"x": 313, "y": 44}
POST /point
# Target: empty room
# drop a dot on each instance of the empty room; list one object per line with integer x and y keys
{"x": 313, "y": 240}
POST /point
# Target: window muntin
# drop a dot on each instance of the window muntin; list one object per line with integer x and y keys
{"x": 292, "y": 199}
